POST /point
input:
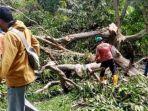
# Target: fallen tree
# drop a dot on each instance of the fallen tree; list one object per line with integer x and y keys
{"x": 78, "y": 69}
{"x": 56, "y": 47}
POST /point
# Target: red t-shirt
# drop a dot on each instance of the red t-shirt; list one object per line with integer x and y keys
{"x": 104, "y": 52}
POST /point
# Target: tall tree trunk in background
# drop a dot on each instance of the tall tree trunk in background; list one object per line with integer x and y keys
{"x": 117, "y": 17}
{"x": 145, "y": 15}
{"x": 116, "y": 37}
{"x": 123, "y": 13}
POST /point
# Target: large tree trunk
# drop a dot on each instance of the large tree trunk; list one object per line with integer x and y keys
{"x": 80, "y": 68}
{"x": 56, "y": 47}
{"x": 116, "y": 7}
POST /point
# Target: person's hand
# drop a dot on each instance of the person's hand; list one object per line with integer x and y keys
{"x": 1, "y": 34}
{"x": 0, "y": 80}
{"x": 98, "y": 61}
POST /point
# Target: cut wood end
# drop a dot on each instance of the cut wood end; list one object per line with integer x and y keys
{"x": 113, "y": 27}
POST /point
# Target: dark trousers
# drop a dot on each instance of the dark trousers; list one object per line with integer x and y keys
{"x": 146, "y": 69}
{"x": 109, "y": 63}
{"x": 16, "y": 99}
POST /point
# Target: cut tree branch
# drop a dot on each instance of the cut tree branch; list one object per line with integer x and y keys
{"x": 58, "y": 46}
{"x": 56, "y": 53}
{"x": 72, "y": 37}
{"x": 79, "y": 68}
{"x": 49, "y": 84}
{"x": 136, "y": 36}
{"x": 62, "y": 76}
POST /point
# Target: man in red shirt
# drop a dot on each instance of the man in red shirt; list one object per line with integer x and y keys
{"x": 104, "y": 55}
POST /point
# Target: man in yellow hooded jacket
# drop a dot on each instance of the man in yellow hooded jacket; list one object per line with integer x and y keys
{"x": 14, "y": 66}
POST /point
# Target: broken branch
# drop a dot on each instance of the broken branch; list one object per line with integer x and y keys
{"x": 49, "y": 84}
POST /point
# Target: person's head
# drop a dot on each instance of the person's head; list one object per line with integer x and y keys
{"x": 98, "y": 39}
{"x": 5, "y": 18}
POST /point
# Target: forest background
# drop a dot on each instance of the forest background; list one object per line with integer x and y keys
{"x": 58, "y": 18}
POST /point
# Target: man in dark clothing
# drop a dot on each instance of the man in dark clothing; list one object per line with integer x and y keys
{"x": 128, "y": 52}
{"x": 146, "y": 66}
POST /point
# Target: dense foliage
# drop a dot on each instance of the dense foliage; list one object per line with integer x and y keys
{"x": 63, "y": 17}
{"x": 58, "y": 18}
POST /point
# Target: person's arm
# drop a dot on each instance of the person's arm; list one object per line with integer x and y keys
{"x": 35, "y": 44}
{"x": 1, "y": 51}
{"x": 114, "y": 51}
{"x": 0, "y": 79}
{"x": 145, "y": 59}
{"x": 8, "y": 55}
{"x": 97, "y": 58}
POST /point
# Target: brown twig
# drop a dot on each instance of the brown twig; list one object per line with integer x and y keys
{"x": 49, "y": 84}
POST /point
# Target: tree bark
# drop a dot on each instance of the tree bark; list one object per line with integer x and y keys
{"x": 80, "y": 68}
{"x": 73, "y": 37}
{"x": 104, "y": 32}
{"x": 136, "y": 36}
{"x": 49, "y": 84}
{"x": 116, "y": 7}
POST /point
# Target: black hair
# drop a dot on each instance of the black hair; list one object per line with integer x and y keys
{"x": 6, "y": 14}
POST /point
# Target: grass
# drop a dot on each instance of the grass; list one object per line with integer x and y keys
{"x": 59, "y": 103}
{"x": 131, "y": 96}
